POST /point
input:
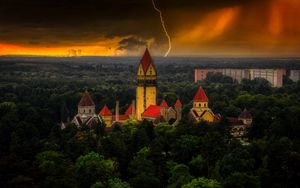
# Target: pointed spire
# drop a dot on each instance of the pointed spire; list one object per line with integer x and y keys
{"x": 105, "y": 111}
{"x": 178, "y": 103}
{"x": 86, "y": 100}
{"x": 200, "y": 95}
{"x": 164, "y": 104}
{"x": 146, "y": 60}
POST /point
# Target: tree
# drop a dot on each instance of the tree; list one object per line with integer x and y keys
{"x": 57, "y": 170}
{"x": 241, "y": 180}
{"x": 111, "y": 183}
{"x": 203, "y": 183}
{"x": 180, "y": 176}
{"x": 186, "y": 147}
{"x": 237, "y": 161}
{"x": 93, "y": 167}
{"x": 198, "y": 166}
{"x": 142, "y": 171}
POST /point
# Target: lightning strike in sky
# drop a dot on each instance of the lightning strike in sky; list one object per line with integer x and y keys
{"x": 164, "y": 28}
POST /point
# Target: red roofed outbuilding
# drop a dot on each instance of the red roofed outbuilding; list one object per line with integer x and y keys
{"x": 105, "y": 111}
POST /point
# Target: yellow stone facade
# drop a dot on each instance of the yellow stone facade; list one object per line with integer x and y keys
{"x": 146, "y": 90}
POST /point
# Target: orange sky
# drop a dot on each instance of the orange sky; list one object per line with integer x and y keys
{"x": 272, "y": 28}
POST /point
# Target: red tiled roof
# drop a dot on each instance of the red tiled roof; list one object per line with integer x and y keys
{"x": 105, "y": 111}
{"x": 121, "y": 117}
{"x": 86, "y": 100}
{"x": 200, "y": 95}
{"x": 164, "y": 104}
{"x": 129, "y": 110}
{"x": 146, "y": 60}
{"x": 178, "y": 103}
{"x": 152, "y": 111}
{"x": 234, "y": 121}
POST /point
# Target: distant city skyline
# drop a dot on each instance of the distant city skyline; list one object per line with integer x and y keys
{"x": 124, "y": 28}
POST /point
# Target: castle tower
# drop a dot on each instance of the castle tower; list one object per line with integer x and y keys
{"x": 200, "y": 100}
{"x": 164, "y": 109}
{"x": 146, "y": 84}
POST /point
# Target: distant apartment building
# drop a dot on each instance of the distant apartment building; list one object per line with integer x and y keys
{"x": 295, "y": 75}
{"x": 274, "y": 76}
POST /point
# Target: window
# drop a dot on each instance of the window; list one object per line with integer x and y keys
{"x": 83, "y": 110}
{"x": 90, "y": 110}
{"x": 150, "y": 72}
{"x": 204, "y": 104}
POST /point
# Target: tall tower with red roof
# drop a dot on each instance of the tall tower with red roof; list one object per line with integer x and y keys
{"x": 146, "y": 84}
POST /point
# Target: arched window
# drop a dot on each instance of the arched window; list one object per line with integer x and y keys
{"x": 204, "y": 104}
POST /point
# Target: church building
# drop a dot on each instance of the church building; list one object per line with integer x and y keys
{"x": 86, "y": 112}
{"x": 200, "y": 110}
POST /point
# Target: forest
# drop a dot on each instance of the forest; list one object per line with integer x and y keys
{"x": 37, "y": 95}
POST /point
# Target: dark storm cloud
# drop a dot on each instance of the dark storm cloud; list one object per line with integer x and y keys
{"x": 131, "y": 43}
{"x": 63, "y": 21}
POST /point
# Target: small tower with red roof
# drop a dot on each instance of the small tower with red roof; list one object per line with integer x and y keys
{"x": 106, "y": 115}
{"x": 146, "y": 84}
{"x": 164, "y": 109}
{"x": 178, "y": 109}
{"x": 200, "y": 99}
{"x": 200, "y": 110}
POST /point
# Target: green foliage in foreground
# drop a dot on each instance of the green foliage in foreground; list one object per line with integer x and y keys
{"x": 35, "y": 152}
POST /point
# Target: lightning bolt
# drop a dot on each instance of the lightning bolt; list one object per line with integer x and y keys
{"x": 164, "y": 27}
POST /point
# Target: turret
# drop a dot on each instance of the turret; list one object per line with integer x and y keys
{"x": 178, "y": 109}
{"x": 164, "y": 109}
{"x": 200, "y": 100}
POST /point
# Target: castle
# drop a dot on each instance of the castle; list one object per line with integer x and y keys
{"x": 145, "y": 106}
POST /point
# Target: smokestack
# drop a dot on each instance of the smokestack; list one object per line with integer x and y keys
{"x": 117, "y": 111}
{"x": 133, "y": 109}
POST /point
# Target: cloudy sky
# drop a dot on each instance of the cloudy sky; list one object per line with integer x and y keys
{"x": 125, "y": 27}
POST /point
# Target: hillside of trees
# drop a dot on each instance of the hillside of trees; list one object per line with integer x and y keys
{"x": 34, "y": 152}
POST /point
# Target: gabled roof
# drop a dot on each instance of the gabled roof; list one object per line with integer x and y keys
{"x": 200, "y": 95}
{"x": 129, "y": 110}
{"x": 178, "y": 103}
{"x": 86, "y": 100}
{"x": 105, "y": 111}
{"x": 152, "y": 111}
{"x": 164, "y": 104}
{"x": 146, "y": 61}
